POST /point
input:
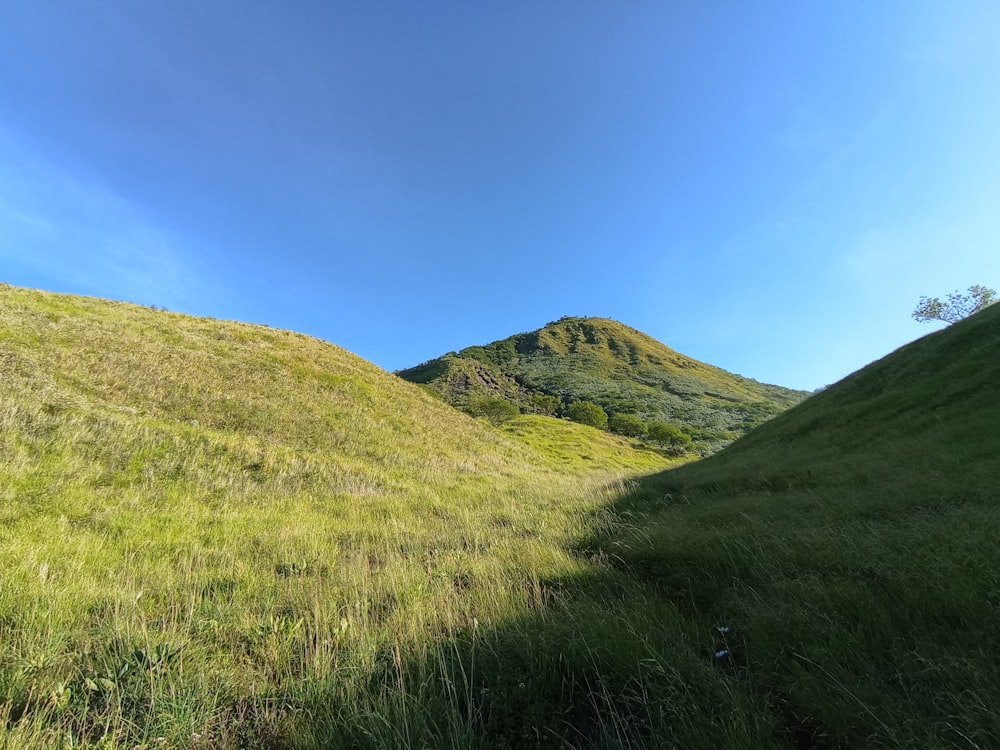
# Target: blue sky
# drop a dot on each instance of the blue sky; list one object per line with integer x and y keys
{"x": 768, "y": 187}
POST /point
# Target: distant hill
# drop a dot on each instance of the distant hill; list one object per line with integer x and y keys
{"x": 621, "y": 369}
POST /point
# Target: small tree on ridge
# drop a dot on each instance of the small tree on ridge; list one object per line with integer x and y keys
{"x": 957, "y": 307}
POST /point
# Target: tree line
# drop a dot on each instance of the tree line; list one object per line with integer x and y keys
{"x": 664, "y": 435}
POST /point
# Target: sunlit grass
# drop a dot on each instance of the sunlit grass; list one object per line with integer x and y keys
{"x": 581, "y": 448}
{"x": 209, "y": 529}
{"x": 215, "y": 535}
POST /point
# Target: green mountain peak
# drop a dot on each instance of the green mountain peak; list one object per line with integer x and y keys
{"x": 606, "y": 362}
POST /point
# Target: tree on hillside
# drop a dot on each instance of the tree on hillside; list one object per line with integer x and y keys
{"x": 669, "y": 436}
{"x": 627, "y": 424}
{"x": 586, "y": 412}
{"x": 542, "y": 403}
{"x": 957, "y": 306}
{"x": 495, "y": 409}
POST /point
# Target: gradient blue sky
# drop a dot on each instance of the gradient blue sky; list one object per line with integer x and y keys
{"x": 769, "y": 187}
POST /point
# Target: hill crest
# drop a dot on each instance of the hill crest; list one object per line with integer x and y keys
{"x": 618, "y": 367}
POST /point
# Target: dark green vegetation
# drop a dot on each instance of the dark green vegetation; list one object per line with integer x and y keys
{"x": 494, "y": 409}
{"x": 852, "y": 545}
{"x": 587, "y": 412}
{"x": 613, "y": 366}
{"x": 216, "y": 535}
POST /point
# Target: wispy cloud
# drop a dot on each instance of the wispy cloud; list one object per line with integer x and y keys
{"x": 63, "y": 227}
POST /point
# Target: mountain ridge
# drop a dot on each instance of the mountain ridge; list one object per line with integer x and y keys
{"x": 614, "y": 365}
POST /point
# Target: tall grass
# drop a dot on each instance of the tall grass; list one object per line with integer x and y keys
{"x": 852, "y": 547}
{"x": 220, "y": 535}
{"x": 215, "y": 535}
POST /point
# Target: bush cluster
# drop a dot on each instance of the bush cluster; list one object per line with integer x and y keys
{"x": 494, "y": 409}
{"x": 669, "y": 436}
{"x": 628, "y": 425}
{"x": 542, "y": 403}
{"x": 587, "y": 412}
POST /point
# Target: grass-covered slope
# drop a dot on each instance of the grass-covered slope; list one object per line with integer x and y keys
{"x": 583, "y": 449}
{"x": 221, "y": 535}
{"x": 620, "y": 368}
{"x": 216, "y": 535}
{"x": 266, "y": 407}
{"x": 852, "y": 546}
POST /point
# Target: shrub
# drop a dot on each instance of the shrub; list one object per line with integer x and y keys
{"x": 586, "y": 412}
{"x": 542, "y": 403}
{"x": 627, "y": 424}
{"x": 669, "y": 436}
{"x": 494, "y": 408}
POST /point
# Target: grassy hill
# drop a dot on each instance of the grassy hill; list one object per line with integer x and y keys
{"x": 207, "y": 528}
{"x": 217, "y": 535}
{"x": 852, "y": 546}
{"x": 617, "y": 367}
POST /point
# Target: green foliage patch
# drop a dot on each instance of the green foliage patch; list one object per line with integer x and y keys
{"x": 627, "y": 424}
{"x": 589, "y": 413}
{"x": 669, "y": 436}
{"x": 494, "y": 409}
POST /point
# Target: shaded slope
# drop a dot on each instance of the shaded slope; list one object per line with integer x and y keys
{"x": 620, "y": 368}
{"x": 852, "y": 546}
{"x": 930, "y": 407}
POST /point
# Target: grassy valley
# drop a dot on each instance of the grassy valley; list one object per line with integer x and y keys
{"x": 218, "y": 535}
{"x": 619, "y": 368}
{"x": 211, "y": 529}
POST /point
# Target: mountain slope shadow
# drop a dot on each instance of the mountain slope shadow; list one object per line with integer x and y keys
{"x": 851, "y": 547}
{"x": 597, "y": 663}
